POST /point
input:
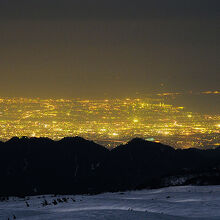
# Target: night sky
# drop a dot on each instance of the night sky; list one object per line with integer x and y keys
{"x": 91, "y": 48}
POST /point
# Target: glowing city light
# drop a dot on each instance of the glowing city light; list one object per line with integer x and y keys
{"x": 110, "y": 121}
{"x": 115, "y": 134}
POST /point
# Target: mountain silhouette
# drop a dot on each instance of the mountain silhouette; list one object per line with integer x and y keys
{"x": 74, "y": 165}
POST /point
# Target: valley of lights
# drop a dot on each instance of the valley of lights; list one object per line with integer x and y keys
{"x": 108, "y": 122}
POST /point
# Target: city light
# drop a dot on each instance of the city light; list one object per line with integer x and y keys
{"x": 108, "y": 122}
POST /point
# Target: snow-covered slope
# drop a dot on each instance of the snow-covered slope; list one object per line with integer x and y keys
{"x": 172, "y": 203}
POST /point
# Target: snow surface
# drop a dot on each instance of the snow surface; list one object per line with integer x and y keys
{"x": 172, "y": 203}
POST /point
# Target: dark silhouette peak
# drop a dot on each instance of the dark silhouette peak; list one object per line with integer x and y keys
{"x": 141, "y": 146}
{"x": 80, "y": 139}
{"x": 13, "y": 140}
{"x": 138, "y": 140}
{"x": 73, "y": 140}
{"x": 29, "y": 140}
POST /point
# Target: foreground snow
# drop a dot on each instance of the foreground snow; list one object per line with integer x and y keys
{"x": 172, "y": 203}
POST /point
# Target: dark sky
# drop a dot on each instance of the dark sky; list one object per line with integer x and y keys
{"x": 91, "y": 48}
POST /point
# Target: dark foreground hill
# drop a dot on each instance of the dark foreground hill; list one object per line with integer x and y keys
{"x": 31, "y": 166}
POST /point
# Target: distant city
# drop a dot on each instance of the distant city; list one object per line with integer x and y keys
{"x": 108, "y": 122}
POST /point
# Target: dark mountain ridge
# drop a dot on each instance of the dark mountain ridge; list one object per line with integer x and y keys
{"x": 73, "y": 165}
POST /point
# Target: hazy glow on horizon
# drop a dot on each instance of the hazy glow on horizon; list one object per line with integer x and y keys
{"x": 107, "y": 49}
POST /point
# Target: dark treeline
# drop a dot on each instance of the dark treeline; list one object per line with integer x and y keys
{"x": 30, "y": 166}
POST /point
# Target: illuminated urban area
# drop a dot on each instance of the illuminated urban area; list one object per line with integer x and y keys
{"x": 108, "y": 122}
